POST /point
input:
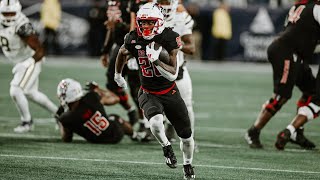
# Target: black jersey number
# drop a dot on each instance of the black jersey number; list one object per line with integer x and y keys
{"x": 97, "y": 123}
{"x": 294, "y": 13}
{"x": 4, "y": 43}
{"x": 147, "y": 68}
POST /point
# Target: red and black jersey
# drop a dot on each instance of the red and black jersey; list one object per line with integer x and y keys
{"x": 89, "y": 120}
{"x": 304, "y": 2}
{"x": 136, "y": 4}
{"x": 150, "y": 77}
{"x": 302, "y": 32}
{"x": 118, "y": 10}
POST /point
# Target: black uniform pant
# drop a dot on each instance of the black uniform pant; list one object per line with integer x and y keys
{"x": 171, "y": 104}
{"x": 289, "y": 70}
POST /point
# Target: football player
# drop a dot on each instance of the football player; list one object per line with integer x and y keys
{"x": 290, "y": 62}
{"x": 179, "y": 19}
{"x": 84, "y": 115}
{"x": 21, "y": 46}
{"x": 118, "y": 24}
{"x": 158, "y": 93}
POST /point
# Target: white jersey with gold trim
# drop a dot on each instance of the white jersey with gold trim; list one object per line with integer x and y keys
{"x": 182, "y": 23}
{"x": 11, "y": 43}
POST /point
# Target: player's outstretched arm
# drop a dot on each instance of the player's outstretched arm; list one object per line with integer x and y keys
{"x": 66, "y": 134}
{"x": 188, "y": 45}
{"x": 33, "y": 41}
{"x": 108, "y": 98}
{"x": 120, "y": 62}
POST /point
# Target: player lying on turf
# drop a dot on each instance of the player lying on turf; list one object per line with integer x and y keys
{"x": 84, "y": 114}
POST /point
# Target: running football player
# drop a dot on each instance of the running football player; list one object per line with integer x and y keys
{"x": 290, "y": 62}
{"x": 158, "y": 93}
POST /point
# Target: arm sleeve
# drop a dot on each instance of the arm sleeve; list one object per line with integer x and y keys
{"x": 168, "y": 75}
{"x": 188, "y": 25}
{"x": 172, "y": 41}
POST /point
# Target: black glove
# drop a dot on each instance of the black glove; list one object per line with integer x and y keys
{"x": 90, "y": 86}
{"x": 59, "y": 112}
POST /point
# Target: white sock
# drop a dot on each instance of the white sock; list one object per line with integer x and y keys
{"x": 157, "y": 129}
{"x": 187, "y": 148}
{"x": 43, "y": 101}
{"x": 292, "y": 131}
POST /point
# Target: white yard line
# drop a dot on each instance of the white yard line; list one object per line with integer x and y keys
{"x": 153, "y": 163}
{"x": 51, "y": 121}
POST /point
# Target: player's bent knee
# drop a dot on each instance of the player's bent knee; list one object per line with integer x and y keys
{"x": 184, "y": 133}
{"x": 275, "y": 104}
{"x": 15, "y": 91}
{"x": 311, "y": 111}
{"x": 152, "y": 111}
{"x": 156, "y": 120}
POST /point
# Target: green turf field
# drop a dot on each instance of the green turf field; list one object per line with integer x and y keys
{"x": 227, "y": 98}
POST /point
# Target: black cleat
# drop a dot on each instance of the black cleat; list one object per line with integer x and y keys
{"x": 302, "y": 141}
{"x": 188, "y": 172}
{"x": 252, "y": 138}
{"x": 282, "y": 139}
{"x": 169, "y": 156}
{"x": 133, "y": 117}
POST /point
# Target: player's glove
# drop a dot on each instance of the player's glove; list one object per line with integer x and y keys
{"x": 120, "y": 80}
{"x": 153, "y": 54}
{"x": 132, "y": 64}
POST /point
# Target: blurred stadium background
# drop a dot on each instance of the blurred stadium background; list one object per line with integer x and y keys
{"x": 254, "y": 24}
{"x": 227, "y": 98}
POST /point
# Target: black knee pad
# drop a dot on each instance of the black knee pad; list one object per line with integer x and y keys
{"x": 275, "y": 104}
{"x": 152, "y": 111}
{"x": 184, "y": 133}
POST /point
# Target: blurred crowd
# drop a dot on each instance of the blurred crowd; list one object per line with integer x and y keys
{"x": 85, "y": 34}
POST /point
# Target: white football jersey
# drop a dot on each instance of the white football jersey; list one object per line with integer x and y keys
{"x": 182, "y": 24}
{"x": 13, "y": 47}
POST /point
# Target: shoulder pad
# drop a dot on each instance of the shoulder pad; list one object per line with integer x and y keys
{"x": 129, "y": 37}
{"x": 22, "y": 19}
{"x": 25, "y": 30}
{"x": 188, "y": 21}
{"x": 169, "y": 34}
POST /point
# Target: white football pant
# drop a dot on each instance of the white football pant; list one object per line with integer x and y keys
{"x": 185, "y": 89}
{"x": 25, "y": 85}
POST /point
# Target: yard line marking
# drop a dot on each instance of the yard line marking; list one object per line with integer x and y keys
{"x": 155, "y": 163}
{"x": 35, "y": 136}
{"x": 197, "y": 128}
{"x": 206, "y": 145}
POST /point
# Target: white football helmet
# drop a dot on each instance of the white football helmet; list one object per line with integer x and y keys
{"x": 169, "y": 8}
{"x": 10, "y": 11}
{"x": 150, "y": 12}
{"x": 69, "y": 91}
